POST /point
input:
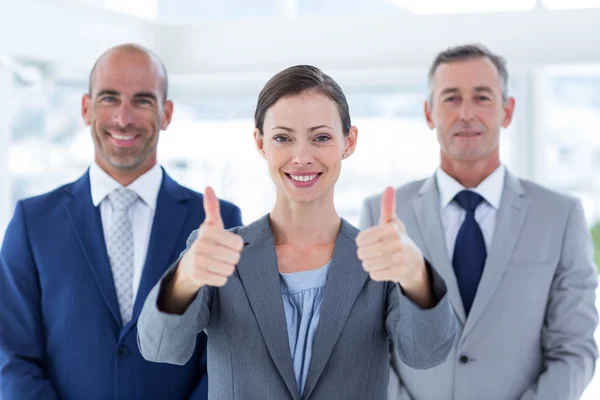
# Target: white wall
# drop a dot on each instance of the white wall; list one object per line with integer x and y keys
{"x": 70, "y": 31}
{"x": 66, "y": 31}
{"x": 406, "y": 41}
{"x": 5, "y": 124}
{"x": 241, "y": 54}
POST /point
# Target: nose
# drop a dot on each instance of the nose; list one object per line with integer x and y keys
{"x": 123, "y": 116}
{"x": 467, "y": 111}
{"x": 302, "y": 154}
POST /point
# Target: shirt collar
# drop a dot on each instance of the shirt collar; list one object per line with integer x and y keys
{"x": 146, "y": 186}
{"x": 490, "y": 188}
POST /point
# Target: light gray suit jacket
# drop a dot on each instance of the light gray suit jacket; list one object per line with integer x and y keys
{"x": 530, "y": 332}
{"x": 249, "y": 355}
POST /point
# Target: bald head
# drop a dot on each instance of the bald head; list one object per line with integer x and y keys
{"x": 126, "y": 109}
{"x": 115, "y": 58}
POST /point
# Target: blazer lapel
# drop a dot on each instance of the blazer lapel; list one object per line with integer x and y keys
{"x": 87, "y": 224}
{"x": 509, "y": 220}
{"x": 345, "y": 280}
{"x": 426, "y": 207}
{"x": 169, "y": 219}
{"x": 259, "y": 275}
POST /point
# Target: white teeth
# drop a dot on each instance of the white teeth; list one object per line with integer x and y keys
{"x": 303, "y": 178}
{"x": 122, "y": 137}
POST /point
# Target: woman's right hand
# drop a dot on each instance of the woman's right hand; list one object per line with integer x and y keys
{"x": 210, "y": 260}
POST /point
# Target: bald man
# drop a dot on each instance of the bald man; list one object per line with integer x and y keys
{"x": 77, "y": 263}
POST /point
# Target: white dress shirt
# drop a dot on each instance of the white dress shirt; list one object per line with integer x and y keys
{"x": 453, "y": 215}
{"x": 141, "y": 213}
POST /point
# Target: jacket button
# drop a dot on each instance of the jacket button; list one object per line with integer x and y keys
{"x": 122, "y": 352}
{"x": 464, "y": 359}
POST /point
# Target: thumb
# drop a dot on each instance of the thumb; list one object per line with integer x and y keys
{"x": 388, "y": 206}
{"x": 212, "y": 209}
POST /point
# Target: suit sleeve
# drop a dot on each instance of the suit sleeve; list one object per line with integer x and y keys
{"x": 232, "y": 217}
{"x": 422, "y": 338}
{"x": 396, "y": 391}
{"x": 22, "y": 338}
{"x": 366, "y": 218}
{"x": 171, "y": 338}
{"x": 568, "y": 344}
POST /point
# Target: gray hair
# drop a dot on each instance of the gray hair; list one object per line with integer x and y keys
{"x": 468, "y": 52}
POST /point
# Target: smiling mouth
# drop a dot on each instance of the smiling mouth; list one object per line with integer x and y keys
{"x": 123, "y": 137}
{"x": 304, "y": 178}
{"x": 123, "y": 140}
{"x": 467, "y": 134}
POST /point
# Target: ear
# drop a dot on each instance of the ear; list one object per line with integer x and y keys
{"x": 86, "y": 103}
{"x": 509, "y": 110}
{"x": 350, "y": 142}
{"x": 260, "y": 142}
{"x": 167, "y": 115}
{"x": 428, "y": 117}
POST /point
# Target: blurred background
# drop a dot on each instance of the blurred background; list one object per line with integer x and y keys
{"x": 219, "y": 53}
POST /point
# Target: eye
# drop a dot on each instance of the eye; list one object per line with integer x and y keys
{"x": 280, "y": 139}
{"x": 143, "y": 102}
{"x": 450, "y": 99}
{"x": 483, "y": 98}
{"x": 108, "y": 99}
{"x": 322, "y": 138}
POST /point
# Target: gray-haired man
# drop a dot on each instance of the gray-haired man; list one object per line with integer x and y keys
{"x": 517, "y": 257}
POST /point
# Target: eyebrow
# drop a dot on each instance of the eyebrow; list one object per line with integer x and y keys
{"x": 449, "y": 91}
{"x": 112, "y": 92}
{"x": 478, "y": 89}
{"x": 314, "y": 128}
{"x": 484, "y": 89}
{"x": 107, "y": 92}
{"x": 148, "y": 95}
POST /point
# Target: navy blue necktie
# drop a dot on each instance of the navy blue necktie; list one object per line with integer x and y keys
{"x": 469, "y": 250}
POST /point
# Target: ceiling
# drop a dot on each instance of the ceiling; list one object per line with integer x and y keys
{"x": 184, "y": 12}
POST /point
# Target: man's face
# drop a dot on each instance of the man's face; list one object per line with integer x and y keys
{"x": 467, "y": 109}
{"x": 125, "y": 110}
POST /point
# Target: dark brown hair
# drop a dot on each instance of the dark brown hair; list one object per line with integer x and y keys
{"x": 296, "y": 80}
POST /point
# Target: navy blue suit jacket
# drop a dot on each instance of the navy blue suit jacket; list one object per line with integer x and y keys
{"x": 61, "y": 335}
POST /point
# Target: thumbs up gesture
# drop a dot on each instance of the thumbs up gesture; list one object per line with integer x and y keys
{"x": 212, "y": 258}
{"x": 388, "y": 254}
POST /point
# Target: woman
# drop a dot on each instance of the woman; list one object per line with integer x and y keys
{"x": 290, "y": 311}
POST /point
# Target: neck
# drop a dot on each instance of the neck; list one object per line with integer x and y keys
{"x": 123, "y": 176}
{"x": 471, "y": 173}
{"x": 305, "y": 224}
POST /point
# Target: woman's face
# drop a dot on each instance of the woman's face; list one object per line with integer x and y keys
{"x": 304, "y": 144}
